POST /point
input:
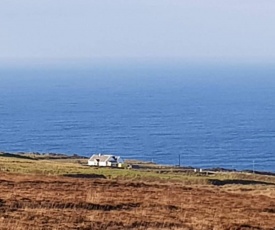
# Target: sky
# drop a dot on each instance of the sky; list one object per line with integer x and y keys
{"x": 143, "y": 29}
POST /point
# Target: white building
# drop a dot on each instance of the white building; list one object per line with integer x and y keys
{"x": 105, "y": 160}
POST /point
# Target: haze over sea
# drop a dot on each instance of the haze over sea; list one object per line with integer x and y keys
{"x": 212, "y": 115}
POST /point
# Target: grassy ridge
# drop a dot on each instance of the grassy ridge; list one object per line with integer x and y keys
{"x": 78, "y": 167}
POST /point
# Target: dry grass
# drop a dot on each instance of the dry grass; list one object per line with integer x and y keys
{"x": 39, "y": 194}
{"x": 55, "y": 202}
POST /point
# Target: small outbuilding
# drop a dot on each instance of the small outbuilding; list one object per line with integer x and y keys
{"x": 105, "y": 160}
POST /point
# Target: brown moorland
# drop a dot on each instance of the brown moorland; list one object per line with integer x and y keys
{"x": 58, "y": 202}
{"x": 41, "y": 194}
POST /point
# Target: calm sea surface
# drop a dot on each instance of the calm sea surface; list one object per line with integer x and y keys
{"x": 211, "y": 116}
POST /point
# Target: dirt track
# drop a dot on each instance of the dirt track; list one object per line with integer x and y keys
{"x": 36, "y": 202}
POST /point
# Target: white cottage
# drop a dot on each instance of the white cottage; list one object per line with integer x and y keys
{"x": 105, "y": 160}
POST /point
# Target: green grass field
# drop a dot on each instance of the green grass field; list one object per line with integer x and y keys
{"x": 77, "y": 167}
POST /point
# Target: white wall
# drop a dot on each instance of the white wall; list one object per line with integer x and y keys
{"x": 102, "y": 163}
{"x": 94, "y": 163}
{"x": 91, "y": 162}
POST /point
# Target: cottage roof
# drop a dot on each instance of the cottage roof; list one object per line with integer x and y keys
{"x": 102, "y": 158}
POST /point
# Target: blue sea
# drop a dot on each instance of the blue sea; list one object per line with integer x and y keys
{"x": 210, "y": 115}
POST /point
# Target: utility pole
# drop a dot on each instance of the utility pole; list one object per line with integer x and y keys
{"x": 253, "y": 166}
{"x": 179, "y": 160}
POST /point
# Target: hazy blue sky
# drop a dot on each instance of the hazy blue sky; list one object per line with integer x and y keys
{"x": 186, "y": 29}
